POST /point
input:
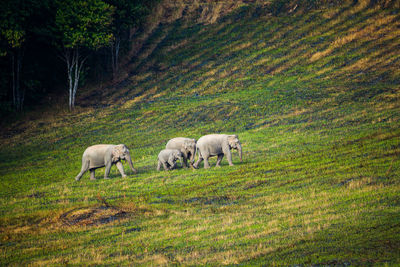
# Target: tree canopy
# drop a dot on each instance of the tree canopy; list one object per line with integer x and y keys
{"x": 33, "y": 34}
{"x": 79, "y": 25}
{"x": 84, "y": 23}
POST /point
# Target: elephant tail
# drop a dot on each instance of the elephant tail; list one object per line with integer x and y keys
{"x": 85, "y": 167}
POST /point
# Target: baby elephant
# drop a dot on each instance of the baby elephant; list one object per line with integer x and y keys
{"x": 168, "y": 158}
{"x": 98, "y": 156}
{"x": 185, "y": 145}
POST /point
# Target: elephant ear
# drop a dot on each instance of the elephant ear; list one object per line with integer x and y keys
{"x": 124, "y": 148}
{"x": 189, "y": 144}
{"x": 232, "y": 139}
{"x": 117, "y": 152}
{"x": 171, "y": 158}
{"x": 186, "y": 145}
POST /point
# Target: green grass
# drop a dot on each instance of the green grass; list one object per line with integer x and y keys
{"x": 315, "y": 101}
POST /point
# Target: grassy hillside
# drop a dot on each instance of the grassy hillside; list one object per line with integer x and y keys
{"x": 315, "y": 99}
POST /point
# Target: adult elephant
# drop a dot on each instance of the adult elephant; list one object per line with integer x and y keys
{"x": 98, "y": 156}
{"x": 185, "y": 145}
{"x": 217, "y": 145}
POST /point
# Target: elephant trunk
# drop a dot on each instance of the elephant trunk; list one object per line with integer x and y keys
{"x": 129, "y": 159}
{"x": 181, "y": 160}
{"x": 239, "y": 149}
{"x": 192, "y": 156}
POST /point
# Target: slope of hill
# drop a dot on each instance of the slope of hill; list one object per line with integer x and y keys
{"x": 314, "y": 97}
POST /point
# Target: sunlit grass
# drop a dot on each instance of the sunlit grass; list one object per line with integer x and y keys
{"x": 314, "y": 98}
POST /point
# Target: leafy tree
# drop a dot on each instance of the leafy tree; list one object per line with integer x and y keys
{"x": 13, "y": 36}
{"x": 128, "y": 14}
{"x": 82, "y": 25}
{"x": 24, "y": 28}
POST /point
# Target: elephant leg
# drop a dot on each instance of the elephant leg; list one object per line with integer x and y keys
{"x": 165, "y": 166}
{"x": 159, "y": 166}
{"x": 85, "y": 167}
{"x": 228, "y": 155}
{"x": 196, "y": 165}
{"x": 229, "y": 158}
{"x": 184, "y": 164}
{"x": 172, "y": 164}
{"x": 206, "y": 164}
{"x": 92, "y": 174}
{"x": 107, "y": 171}
{"x": 121, "y": 169}
{"x": 191, "y": 162}
{"x": 220, "y": 157}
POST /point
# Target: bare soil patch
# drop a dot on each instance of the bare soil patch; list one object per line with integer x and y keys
{"x": 102, "y": 213}
{"x": 92, "y": 215}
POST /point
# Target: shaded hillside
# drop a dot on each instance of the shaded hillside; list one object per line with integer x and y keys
{"x": 313, "y": 95}
{"x": 346, "y": 55}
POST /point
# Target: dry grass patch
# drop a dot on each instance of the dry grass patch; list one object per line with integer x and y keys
{"x": 361, "y": 64}
{"x": 104, "y": 213}
{"x": 211, "y": 72}
{"x": 131, "y": 103}
{"x": 263, "y": 61}
{"x": 373, "y": 31}
{"x": 140, "y": 76}
{"x": 92, "y": 215}
{"x": 241, "y": 46}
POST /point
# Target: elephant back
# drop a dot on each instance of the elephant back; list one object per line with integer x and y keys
{"x": 212, "y": 139}
{"x": 96, "y": 155}
{"x": 178, "y": 142}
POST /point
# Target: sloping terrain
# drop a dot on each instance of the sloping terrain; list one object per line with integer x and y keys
{"x": 315, "y": 99}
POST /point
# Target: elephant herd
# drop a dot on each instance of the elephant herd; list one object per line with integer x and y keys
{"x": 179, "y": 148}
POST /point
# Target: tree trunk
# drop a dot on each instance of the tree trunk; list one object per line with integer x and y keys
{"x": 13, "y": 80}
{"x": 115, "y": 46}
{"x": 74, "y": 67}
{"x": 21, "y": 93}
{"x": 16, "y": 66}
